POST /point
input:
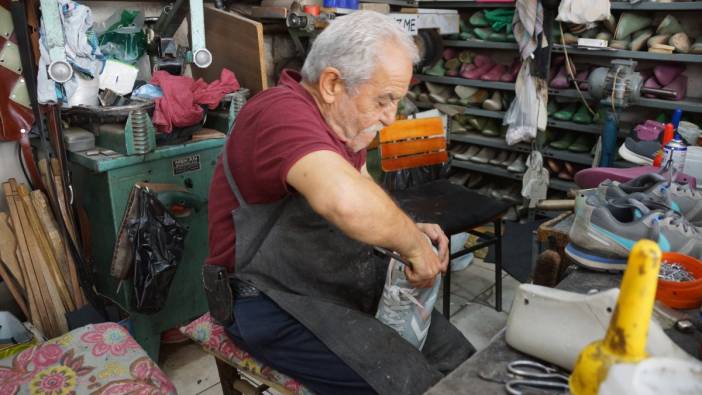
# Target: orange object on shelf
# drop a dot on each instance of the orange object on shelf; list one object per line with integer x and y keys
{"x": 685, "y": 294}
{"x": 312, "y": 9}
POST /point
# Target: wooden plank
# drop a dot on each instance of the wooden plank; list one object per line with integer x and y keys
{"x": 412, "y": 128}
{"x": 70, "y": 226}
{"x": 55, "y": 240}
{"x": 236, "y": 43}
{"x": 35, "y": 288}
{"x": 51, "y": 266}
{"x": 412, "y": 147}
{"x": 7, "y": 253}
{"x": 8, "y": 249}
{"x": 407, "y": 162}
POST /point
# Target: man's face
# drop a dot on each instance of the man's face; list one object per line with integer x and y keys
{"x": 363, "y": 111}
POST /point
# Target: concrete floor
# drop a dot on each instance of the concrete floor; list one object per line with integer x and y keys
{"x": 472, "y": 297}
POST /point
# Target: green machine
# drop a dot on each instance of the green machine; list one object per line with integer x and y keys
{"x": 126, "y": 154}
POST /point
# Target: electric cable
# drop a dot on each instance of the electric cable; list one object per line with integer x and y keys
{"x": 570, "y": 71}
{"x": 22, "y": 166}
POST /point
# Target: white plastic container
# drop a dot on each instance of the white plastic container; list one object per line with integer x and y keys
{"x": 693, "y": 164}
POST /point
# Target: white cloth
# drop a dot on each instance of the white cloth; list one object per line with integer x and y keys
{"x": 583, "y": 11}
{"x": 82, "y": 52}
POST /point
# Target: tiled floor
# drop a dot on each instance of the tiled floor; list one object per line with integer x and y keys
{"x": 472, "y": 300}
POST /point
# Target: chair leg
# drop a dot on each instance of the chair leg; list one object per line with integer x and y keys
{"x": 498, "y": 265}
{"x": 228, "y": 376}
{"x": 447, "y": 286}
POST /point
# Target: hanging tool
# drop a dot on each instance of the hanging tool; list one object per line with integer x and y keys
{"x": 617, "y": 87}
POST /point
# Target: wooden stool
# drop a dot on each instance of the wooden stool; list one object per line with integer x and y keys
{"x": 233, "y": 361}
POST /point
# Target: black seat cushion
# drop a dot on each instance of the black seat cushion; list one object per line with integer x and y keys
{"x": 453, "y": 207}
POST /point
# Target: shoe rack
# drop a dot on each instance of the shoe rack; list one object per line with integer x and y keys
{"x": 642, "y": 110}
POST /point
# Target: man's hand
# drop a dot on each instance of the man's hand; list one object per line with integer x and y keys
{"x": 439, "y": 239}
{"x": 426, "y": 264}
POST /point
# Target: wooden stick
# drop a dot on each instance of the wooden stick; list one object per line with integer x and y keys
{"x": 52, "y": 232}
{"x": 40, "y": 315}
{"x": 42, "y": 241}
{"x": 70, "y": 225}
{"x": 56, "y": 313}
{"x": 8, "y": 248}
{"x": 15, "y": 290}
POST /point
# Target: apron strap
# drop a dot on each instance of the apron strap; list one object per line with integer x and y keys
{"x": 230, "y": 179}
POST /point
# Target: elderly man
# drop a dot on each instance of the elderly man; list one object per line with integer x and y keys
{"x": 305, "y": 214}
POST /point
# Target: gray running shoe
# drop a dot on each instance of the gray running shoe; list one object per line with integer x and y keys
{"x": 639, "y": 152}
{"x": 404, "y": 308}
{"x": 659, "y": 195}
{"x": 603, "y": 233}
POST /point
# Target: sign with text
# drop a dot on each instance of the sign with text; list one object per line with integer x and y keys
{"x": 408, "y": 22}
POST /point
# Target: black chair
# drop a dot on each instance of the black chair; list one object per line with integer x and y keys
{"x": 411, "y": 144}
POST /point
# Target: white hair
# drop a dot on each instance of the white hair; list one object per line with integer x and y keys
{"x": 352, "y": 45}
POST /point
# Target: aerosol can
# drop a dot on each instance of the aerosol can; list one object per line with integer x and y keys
{"x": 674, "y": 154}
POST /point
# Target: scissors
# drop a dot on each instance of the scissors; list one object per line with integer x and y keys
{"x": 532, "y": 374}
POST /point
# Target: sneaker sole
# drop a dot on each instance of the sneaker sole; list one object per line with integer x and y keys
{"x": 595, "y": 262}
{"x": 633, "y": 157}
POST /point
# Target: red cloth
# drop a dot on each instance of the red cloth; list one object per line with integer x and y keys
{"x": 182, "y": 97}
{"x": 273, "y": 131}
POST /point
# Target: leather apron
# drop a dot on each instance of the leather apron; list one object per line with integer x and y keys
{"x": 332, "y": 285}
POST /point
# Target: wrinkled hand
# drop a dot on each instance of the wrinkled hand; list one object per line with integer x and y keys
{"x": 426, "y": 264}
{"x": 438, "y": 239}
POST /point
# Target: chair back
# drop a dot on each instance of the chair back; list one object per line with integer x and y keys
{"x": 413, "y": 143}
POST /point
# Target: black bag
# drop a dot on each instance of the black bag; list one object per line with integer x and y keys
{"x": 158, "y": 242}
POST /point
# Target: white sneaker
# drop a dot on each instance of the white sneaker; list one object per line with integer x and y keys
{"x": 406, "y": 309}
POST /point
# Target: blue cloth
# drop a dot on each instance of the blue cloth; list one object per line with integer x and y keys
{"x": 278, "y": 340}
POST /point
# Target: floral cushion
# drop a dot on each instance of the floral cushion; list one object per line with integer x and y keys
{"x": 215, "y": 341}
{"x": 95, "y": 359}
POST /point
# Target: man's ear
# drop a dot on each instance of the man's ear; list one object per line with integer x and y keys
{"x": 330, "y": 84}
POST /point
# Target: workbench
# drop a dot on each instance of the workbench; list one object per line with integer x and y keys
{"x": 492, "y": 361}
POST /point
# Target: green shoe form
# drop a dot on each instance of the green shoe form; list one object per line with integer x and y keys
{"x": 581, "y": 144}
{"x": 490, "y": 129}
{"x": 620, "y": 44}
{"x": 551, "y": 107}
{"x": 564, "y": 142}
{"x": 510, "y": 37}
{"x": 466, "y": 57}
{"x": 566, "y": 113}
{"x": 640, "y": 39}
{"x": 437, "y": 70}
{"x": 661, "y": 118}
{"x": 497, "y": 37}
{"x": 461, "y": 118}
{"x": 582, "y": 115}
{"x": 477, "y": 123}
{"x": 482, "y": 32}
{"x": 466, "y": 36}
{"x": 669, "y": 25}
{"x": 500, "y": 13}
{"x": 610, "y": 23}
{"x": 604, "y": 36}
{"x": 478, "y": 19}
{"x": 629, "y": 23}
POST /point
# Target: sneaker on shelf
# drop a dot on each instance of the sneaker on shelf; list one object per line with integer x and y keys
{"x": 406, "y": 309}
{"x": 638, "y": 151}
{"x": 676, "y": 196}
{"x": 603, "y": 233}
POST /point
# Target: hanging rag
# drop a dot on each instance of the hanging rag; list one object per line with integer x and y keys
{"x": 583, "y": 11}
{"x": 82, "y": 52}
{"x": 183, "y": 97}
{"x": 527, "y": 113}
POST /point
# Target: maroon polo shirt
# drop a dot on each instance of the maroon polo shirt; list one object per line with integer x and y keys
{"x": 275, "y": 129}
